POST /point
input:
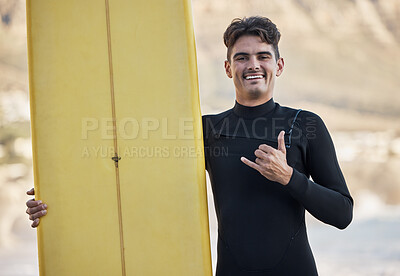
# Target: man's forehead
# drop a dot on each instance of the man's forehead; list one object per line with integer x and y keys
{"x": 251, "y": 44}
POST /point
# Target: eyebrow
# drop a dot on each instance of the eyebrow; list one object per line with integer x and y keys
{"x": 247, "y": 54}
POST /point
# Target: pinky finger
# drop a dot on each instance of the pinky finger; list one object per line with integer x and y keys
{"x": 35, "y": 223}
{"x": 250, "y": 163}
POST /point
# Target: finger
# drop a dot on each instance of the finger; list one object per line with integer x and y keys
{"x": 33, "y": 203}
{"x": 266, "y": 148}
{"x": 35, "y": 223}
{"x": 31, "y": 192}
{"x": 250, "y": 163}
{"x": 38, "y": 215}
{"x": 281, "y": 142}
{"x": 33, "y": 210}
{"x": 260, "y": 161}
{"x": 261, "y": 154}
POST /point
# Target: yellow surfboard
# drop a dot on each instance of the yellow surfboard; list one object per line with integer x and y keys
{"x": 117, "y": 138}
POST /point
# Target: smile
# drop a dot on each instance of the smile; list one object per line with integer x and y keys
{"x": 254, "y": 77}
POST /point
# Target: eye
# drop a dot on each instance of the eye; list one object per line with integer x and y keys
{"x": 240, "y": 58}
{"x": 264, "y": 57}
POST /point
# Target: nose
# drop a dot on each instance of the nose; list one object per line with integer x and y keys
{"x": 253, "y": 64}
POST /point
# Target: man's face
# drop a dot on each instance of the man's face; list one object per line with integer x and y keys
{"x": 253, "y": 68}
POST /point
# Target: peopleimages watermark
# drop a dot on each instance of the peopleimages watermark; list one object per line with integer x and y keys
{"x": 185, "y": 128}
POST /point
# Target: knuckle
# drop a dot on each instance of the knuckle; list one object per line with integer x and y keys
{"x": 264, "y": 173}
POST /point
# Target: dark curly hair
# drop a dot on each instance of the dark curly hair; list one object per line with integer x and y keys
{"x": 255, "y": 25}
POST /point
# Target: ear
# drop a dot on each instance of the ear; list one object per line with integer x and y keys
{"x": 228, "y": 69}
{"x": 280, "y": 64}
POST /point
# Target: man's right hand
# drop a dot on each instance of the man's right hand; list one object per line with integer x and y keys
{"x": 36, "y": 209}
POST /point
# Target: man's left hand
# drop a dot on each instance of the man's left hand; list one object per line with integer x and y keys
{"x": 271, "y": 162}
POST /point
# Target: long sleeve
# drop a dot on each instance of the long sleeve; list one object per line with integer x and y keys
{"x": 328, "y": 198}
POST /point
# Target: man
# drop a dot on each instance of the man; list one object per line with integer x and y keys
{"x": 260, "y": 178}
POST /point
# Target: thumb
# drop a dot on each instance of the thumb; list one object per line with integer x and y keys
{"x": 31, "y": 192}
{"x": 281, "y": 142}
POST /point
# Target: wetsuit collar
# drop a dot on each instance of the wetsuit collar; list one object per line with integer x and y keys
{"x": 253, "y": 111}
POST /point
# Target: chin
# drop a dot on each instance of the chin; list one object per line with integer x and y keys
{"x": 256, "y": 93}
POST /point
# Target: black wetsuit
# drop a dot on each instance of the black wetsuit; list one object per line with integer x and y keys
{"x": 261, "y": 227}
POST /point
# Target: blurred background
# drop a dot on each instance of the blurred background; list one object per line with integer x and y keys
{"x": 342, "y": 61}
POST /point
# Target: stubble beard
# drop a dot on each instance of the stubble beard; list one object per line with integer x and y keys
{"x": 255, "y": 93}
{"x": 252, "y": 93}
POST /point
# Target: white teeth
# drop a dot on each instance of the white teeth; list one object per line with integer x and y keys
{"x": 254, "y": 77}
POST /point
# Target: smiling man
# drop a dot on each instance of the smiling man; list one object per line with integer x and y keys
{"x": 253, "y": 66}
{"x": 260, "y": 156}
{"x": 261, "y": 183}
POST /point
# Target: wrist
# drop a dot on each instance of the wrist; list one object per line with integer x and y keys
{"x": 287, "y": 176}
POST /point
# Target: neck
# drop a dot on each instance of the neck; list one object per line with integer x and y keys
{"x": 254, "y": 111}
{"x": 253, "y": 102}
